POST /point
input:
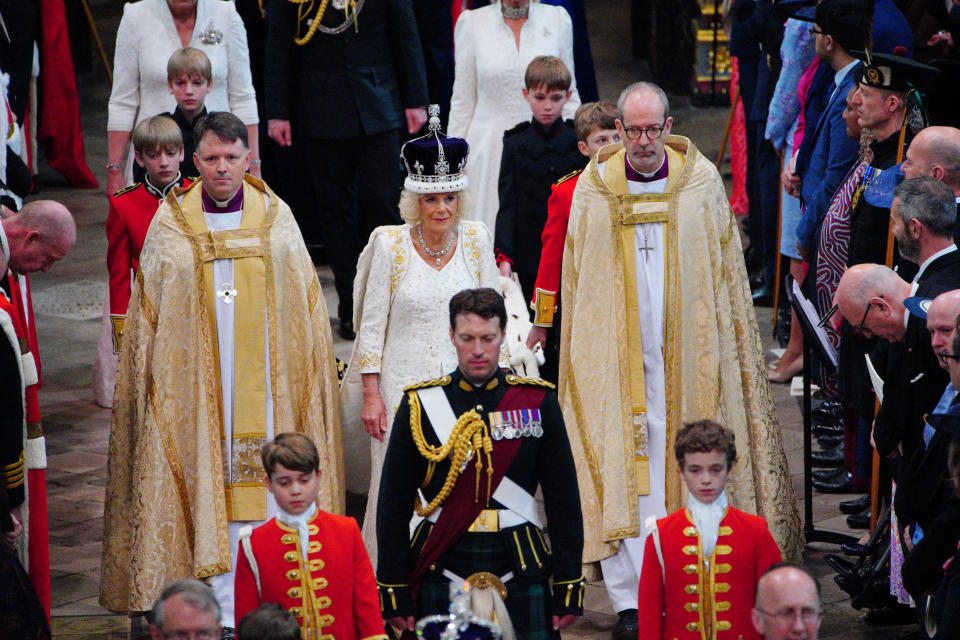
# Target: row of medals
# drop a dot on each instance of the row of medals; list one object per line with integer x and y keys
{"x": 516, "y": 428}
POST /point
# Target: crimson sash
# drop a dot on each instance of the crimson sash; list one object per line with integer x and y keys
{"x": 461, "y": 508}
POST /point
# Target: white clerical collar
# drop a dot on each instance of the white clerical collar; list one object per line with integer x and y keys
{"x": 301, "y": 523}
{"x": 652, "y": 173}
{"x": 706, "y": 518}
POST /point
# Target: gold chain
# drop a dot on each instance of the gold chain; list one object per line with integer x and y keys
{"x": 469, "y": 434}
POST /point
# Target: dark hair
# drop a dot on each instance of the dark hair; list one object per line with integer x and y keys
{"x": 486, "y": 303}
{"x": 848, "y": 22}
{"x": 792, "y": 565}
{"x": 222, "y": 124}
{"x": 293, "y": 450}
{"x": 930, "y": 201}
{"x": 704, "y": 436}
{"x": 269, "y": 621}
{"x": 594, "y": 115}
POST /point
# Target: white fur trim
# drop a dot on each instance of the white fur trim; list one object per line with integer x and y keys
{"x": 35, "y": 453}
{"x": 29, "y": 367}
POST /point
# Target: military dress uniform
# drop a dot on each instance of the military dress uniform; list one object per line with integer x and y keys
{"x": 690, "y": 596}
{"x": 330, "y": 588}
{"x": 553, "y": 238}
{"x": 518, "y": 435}
{"x": 129, "y": 217}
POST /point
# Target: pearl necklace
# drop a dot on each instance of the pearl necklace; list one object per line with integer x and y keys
{"x": 435, "y": 254}
{"x": 515, "y": 13}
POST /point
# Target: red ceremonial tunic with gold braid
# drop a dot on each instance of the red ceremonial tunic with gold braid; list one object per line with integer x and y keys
{"x": 331, "y": 591}
{"x": 697, "y": 598}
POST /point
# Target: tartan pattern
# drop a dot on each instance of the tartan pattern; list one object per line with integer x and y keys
{"x": 529, "y": 604}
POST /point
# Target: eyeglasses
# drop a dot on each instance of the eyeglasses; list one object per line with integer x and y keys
{"x": 949, "y": 356}
{"x": 815, "y": 31}
{"x": 787, "y": 617}
{"x": 859, "y": 330}
{"x": 653, "y": 133}
{"x": 203, "y": 634}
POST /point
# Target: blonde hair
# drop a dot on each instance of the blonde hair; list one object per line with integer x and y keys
{"x": 190, "y": 62}
{"x": 549, "y": 72}
{"x": 157, "y": 132}
{"x": 410, "y": 205}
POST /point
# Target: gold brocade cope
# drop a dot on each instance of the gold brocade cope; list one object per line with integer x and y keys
{"x": 245, "y": 493}
{"x": 713, "y": 359}
{"x": 165, "y": 514}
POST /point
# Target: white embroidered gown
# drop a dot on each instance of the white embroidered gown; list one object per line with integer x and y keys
{"x": 403, "y": 325}
{"x": 488, "y": 87}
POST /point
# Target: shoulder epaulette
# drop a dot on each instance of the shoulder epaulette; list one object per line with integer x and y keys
{"x": 516, "y": 129}
{"x": 572, "y": 174}
{"x": 134, "y": 186}
{"x": 436, "y": 382}
{"x": 514, "y": 379}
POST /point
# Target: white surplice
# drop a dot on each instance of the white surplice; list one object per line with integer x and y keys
{"x": 223, "y": 279}
{"x": 621, "y": 571}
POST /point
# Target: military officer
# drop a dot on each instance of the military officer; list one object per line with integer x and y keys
{"x": 478, "y": 442}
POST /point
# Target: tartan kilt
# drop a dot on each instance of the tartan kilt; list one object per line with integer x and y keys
{"x": 528, "y": 601}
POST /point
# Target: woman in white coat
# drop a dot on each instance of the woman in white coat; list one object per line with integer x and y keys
{"x": 493, "y": 46}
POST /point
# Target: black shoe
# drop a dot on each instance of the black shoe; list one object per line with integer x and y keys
{"x": 627, "y": 627}
{"x": 829, "y": 442}
{"x": 828, "y": 475}
{"x": 346, "y": 330}
{"x": 843, "y": 485}
{"x": 856, "y": 505}
{"x": 827, "y": 430}
{"x": 841, "y": 565}
{"x": 859, "y": 520}
{"x": 829, "y": 458}
{"x": 853, "y": 548}
{"x": 828, "y": 412}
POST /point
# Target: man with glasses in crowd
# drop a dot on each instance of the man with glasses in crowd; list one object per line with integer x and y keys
{"x": 787, "y": 604}
{"x": 658, "y": 329}
{"x": 186, "y": 610}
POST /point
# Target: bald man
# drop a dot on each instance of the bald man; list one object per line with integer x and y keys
{"x": 787, "y": 605}
{"x": 870, "y": 297}
{"x": 39, "y": 235}
{"x": 935, "y": 151}
{"x": 942, "y": 322}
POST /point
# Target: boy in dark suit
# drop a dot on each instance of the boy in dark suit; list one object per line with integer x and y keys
{"x": 535, "y": 155}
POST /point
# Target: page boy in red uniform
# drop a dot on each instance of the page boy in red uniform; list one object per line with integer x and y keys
{"x": 702, "y": 563}
{"x": 311, "y": 562}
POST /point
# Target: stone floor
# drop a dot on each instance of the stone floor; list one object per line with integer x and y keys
{"x": 68, "y": 303}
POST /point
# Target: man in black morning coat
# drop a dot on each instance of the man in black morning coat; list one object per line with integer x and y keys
{"x": 347, "y": 90}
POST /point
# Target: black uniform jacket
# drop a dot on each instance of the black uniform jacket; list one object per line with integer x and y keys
{"x": 534, "y": 157}
{"x": 914, "y": 380}
{"x": 545, "y": 461}
{"x": 354, "y": 83}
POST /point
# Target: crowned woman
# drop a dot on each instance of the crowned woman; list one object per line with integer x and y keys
{"x": 406, "y": 276}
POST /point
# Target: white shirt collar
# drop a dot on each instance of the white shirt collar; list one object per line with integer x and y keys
{"x": 839, "y": 76}
{"x": 949, "y": 249}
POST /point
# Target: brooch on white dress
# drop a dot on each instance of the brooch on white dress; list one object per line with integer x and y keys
{"x": 227, "y": 293}
{"x": 211, "y": 35}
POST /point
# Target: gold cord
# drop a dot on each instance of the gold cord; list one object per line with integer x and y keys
{"x": 469, "y": 434}
{"x": 301, "y": 17}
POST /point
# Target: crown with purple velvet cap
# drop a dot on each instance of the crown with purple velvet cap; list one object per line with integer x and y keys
{"x": 435, "y": 162}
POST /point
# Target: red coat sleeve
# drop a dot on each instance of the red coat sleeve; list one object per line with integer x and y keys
{"x": 366, "y": 601}
{"x": 553, "y": 239}
{"x": 246, "y": 598}
{"x": 119, "y": 260}
{"x": 767, "y": 551}
{"x": 650, "y": 599}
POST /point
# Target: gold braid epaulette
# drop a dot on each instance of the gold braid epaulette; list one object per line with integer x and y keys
{"x": 128, "y": 189}
{"x": 514, "y": 379}
{"x": 436, "y": 382}
{"x": 469, "y": 434}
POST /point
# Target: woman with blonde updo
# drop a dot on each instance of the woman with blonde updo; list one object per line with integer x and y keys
{"x": 406, "y": 276}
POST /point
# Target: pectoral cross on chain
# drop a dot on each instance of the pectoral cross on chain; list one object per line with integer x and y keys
{"x": 646, "y": 248}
